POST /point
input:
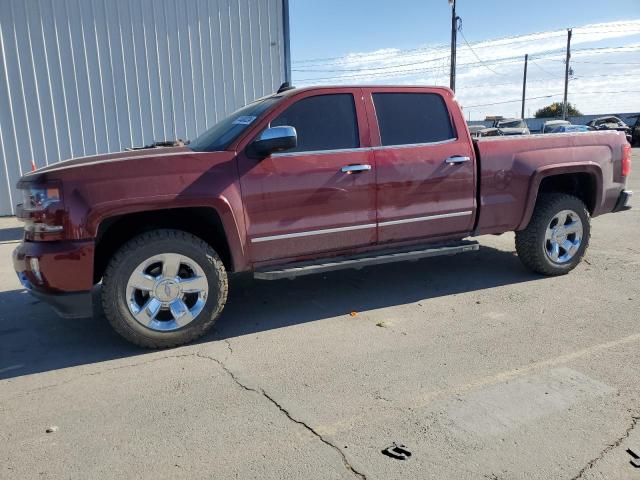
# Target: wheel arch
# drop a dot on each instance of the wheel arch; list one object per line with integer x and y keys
{"x": 204, "y": 222}
{"x": 582, "y": 180}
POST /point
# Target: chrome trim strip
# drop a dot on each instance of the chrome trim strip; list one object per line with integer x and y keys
{"x": 408, "y": 145}
{"x": 312, "y": 232}
{"x": 424, "y": 219}
{"x": 363, "y": 149}
{"x": 309, "y": 233}
{"x": 320, "y": 152}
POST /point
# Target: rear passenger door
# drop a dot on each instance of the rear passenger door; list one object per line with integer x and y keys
{"x": 425, "y": 168}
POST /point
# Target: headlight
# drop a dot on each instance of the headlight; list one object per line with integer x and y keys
{"x": 37, "y": 199}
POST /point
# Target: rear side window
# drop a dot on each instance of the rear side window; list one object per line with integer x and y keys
{"x": 323, "y": 122}
{"x": 408, "y": 118}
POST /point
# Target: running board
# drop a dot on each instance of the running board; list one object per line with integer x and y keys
{"x": 360, "y": 261}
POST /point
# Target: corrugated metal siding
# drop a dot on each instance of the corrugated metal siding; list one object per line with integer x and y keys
{"x": 79, "y": 77}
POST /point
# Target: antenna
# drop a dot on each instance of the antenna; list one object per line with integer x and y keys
{"x": 284, "y": 87}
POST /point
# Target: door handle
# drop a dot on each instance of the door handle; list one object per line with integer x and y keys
{"x": 355, "y": 168}
{"x": 457, "y": 159}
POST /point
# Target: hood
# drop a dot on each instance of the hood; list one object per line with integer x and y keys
{"x": 109, "y": 157}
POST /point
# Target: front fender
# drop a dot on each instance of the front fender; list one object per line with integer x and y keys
{"x": 232, "y": 221}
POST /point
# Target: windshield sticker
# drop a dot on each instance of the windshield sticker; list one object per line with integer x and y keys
{"x": 244, "y": 120}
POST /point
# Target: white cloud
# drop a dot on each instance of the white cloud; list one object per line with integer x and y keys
{"x": 494, "y": 73}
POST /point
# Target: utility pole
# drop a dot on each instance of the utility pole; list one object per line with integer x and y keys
{"x": 454, "y": 42}
{"x": 524, "y": 83}
{"x": 566, "y": 75}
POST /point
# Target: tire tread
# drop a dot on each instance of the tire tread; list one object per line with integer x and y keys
{"x": 527, "y": 240}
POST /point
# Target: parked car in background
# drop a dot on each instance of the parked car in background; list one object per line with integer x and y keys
{"x": 475, "y": 129}
{"x": 549, "y": 125}
{"x": 512, "y": 126}
{"x": 635, "y": 134}
{"x": 611, "y": 123}
{"x": 570, "y": 129}
{"x": 489, "y": 132}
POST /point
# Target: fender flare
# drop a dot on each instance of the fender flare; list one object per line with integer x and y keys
{"x": 233, "y": 226}
{"x": 591, "y": 168}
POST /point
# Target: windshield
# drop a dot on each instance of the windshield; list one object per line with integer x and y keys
{"x": 512, "y": 124}
{"x": 227, "y": 130}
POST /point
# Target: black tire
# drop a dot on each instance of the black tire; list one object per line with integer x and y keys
{"x": 531, "y": 242}
{"x": 145, "y": 246}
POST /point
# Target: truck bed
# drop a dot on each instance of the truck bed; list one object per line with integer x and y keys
{"x": 510, "y": 169}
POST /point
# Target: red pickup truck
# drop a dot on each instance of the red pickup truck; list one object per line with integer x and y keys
{"x": 299, "y": 182}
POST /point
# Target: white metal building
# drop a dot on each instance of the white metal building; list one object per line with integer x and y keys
{"x": 79, "y": 77}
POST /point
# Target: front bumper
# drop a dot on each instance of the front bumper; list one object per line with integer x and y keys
{"x": 67, "y": 305}
{"x": 59, "y": 273}
{"x": 624, "y": 201}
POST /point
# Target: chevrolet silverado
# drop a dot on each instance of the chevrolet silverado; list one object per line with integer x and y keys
{"x": 300, "y": 182}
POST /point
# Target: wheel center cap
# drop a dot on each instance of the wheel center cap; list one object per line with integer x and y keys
{"x": 559, "y": 235}
{"x": 167, "y": 291}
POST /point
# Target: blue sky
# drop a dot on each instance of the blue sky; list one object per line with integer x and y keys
{"x": 371, "y": 41}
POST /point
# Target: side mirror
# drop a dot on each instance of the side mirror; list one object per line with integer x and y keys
{"x": 275, "y": 139}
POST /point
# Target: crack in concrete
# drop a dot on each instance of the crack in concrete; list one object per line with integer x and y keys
{"x": 228, "y": 343}
{"x": 616, "y": 444}
{"x": 345, "y": 461}
{"x": 233, "y": 376}
{"x": 287, "y": 414}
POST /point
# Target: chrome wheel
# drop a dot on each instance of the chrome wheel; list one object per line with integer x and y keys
{"x": 167, "y": 291}
{"x": 563, "y": 236}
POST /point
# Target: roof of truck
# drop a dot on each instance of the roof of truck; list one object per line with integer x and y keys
{"x": 323, "y": 87}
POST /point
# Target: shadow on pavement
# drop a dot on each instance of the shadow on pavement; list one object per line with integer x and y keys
{"x": 33, "y": 339}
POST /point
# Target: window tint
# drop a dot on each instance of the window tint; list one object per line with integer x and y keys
{"x": 323, "y": 122}
{"x": 406, "y": 118}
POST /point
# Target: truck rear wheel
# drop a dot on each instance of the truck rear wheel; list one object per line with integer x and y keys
{"x": 557, "y": 235}
{"x": 164, "y": 288}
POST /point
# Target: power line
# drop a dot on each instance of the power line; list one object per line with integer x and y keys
{"x": 373, "y": 68}
{"x": 606, "y": 63}
{"x": 543, "y": 69}
{"x": 395, "y": 53}
{"x": 493, "y": 42}
{"x": 409, "y": 71}
{"x": 510, "y": 101}
{"x": 549, "y": 96}
{"x": 582, "y": 77}
{"x": 384, "y": 73}
{"x": 372, "y": 57}
{"x": 382, "y": 55}
{"x": 632, "y": 32}
{"x": 476, "y": 55}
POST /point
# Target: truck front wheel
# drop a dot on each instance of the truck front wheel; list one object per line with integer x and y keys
{"x": 557, "y": 235}
{"x": 164, "y": 288}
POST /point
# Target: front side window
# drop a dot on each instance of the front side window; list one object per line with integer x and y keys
{"x": 410, "y": 118}
{"x": 322, "y": 122}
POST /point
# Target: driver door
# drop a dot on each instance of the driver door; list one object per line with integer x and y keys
{"x": 320, "y": 196}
